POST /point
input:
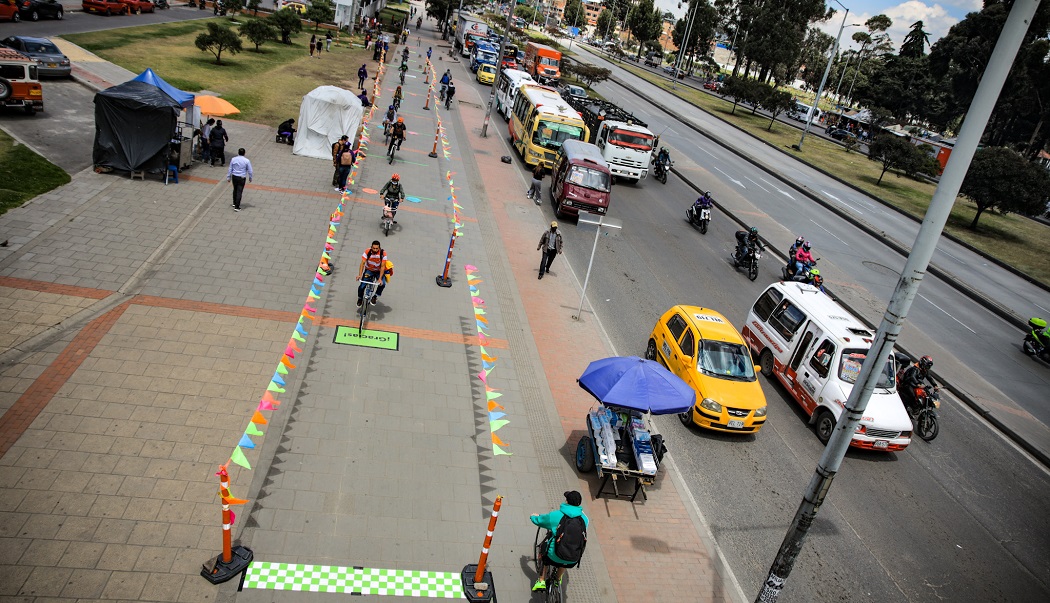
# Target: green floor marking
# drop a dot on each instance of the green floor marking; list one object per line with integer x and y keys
{"x": 383, "y": 340}
{"x": 365, "y": 581}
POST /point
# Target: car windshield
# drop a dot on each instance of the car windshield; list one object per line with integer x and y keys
{"x": 552, "y": 134}
{"x": 548, "y": 61}
{"x": 42, "y": 48}
{"x": 484, "y": 55}
{"x": 849, "y": 368}
{"x": 577, "y": 91}
{"x": 725, "y": 360}
{"x": 634, "y": 140}
{"x": 588, "y": 178}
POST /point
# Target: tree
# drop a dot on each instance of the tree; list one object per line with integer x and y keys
{"x": 574, "y": 15}
{"x": 253, "y": 5}
{"x": 915, "y": 42}
{"x": 217, "y": 39}
{"x": 813, "y": 57}
{"x": 895, "y": 153}
{"x": 704, "y": 24}
{"x": 604, "y": 24}
{"x": 320, "y": 11}
{"x": 525, "y": 12}
{"x": 590, "y": 74}
{"x": 739, "y": 89}
{"x": 258, "y": 32}
{"x": 287, "y": 22}
{"x": 234, "y": 6}
{"x": 640, "y": 22}
{"x": 776, "y": 102}
{"x": 1002, "y": 179}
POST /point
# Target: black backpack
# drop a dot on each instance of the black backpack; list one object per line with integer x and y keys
{"x": 570, "y": 539}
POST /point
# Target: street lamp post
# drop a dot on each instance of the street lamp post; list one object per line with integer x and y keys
{"x": 823, "y": 80}
{"x": 685, "y": 45}
{"x": 849, "y": 95}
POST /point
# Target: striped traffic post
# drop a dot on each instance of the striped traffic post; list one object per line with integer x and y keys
{"x": 477, "y": 583}
{"x": 232, "y": 560}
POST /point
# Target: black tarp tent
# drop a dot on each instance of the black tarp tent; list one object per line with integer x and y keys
{"x": 134, "y": 124}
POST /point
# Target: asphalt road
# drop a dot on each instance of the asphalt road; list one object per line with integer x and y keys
{"x": 65, "y": 132}
{"x": 962, "y": 518}
{"x": 80, "y": 22}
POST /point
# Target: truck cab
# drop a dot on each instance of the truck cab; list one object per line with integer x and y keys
{"x": 581, "y": 180}
{"x": 624, "y": 141}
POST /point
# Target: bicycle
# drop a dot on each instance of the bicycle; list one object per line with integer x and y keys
{"x": 397, "y": 103}
{"x": 395, "y": 144}
{"x": 402, "y": 77}
{"x": 370, "y": 290}
{"x": 387, "y": 221}
{"x": 555, "y": 591}
{"x": 448, "y": 102}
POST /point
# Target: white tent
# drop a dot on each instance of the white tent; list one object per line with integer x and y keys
{"x": 327, "y": 113}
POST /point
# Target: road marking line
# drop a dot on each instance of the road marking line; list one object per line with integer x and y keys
{"x": 829, "y": 232}
{"x": 779, "y": 190}
{"x": 353, "y": 580}
{"x": 757, "y": 184}
{"x": 948, "y": 315}
{"x": 734, "y": 180}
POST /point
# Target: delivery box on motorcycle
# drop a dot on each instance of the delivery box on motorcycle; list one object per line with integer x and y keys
{"x": 581, "y": 180}
{"x": 815, "y": 347}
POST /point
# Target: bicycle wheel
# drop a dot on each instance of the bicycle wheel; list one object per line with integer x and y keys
{"x": 555, "y": 589}
{"x": 390, "y": 150}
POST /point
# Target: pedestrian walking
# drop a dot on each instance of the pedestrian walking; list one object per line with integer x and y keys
{"x": 345, "y": 160}
{"x": 313, "y": 42}
{"x": 430, "y": 51}
{"x": 368, "y": 39}
{"x": 206, "y": 139}
{"x": 362, "y": 74}
{"x": 337, "y": 148}
{"x": 534, "y": 191}
{"x": 240, "y": 170}
{"x": 550, "y": 245}
{"x": 218, "y": 139}
{"x": 320, "y": 46}
{"x": 328, "y": 41}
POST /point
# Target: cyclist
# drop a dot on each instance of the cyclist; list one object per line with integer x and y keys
{"x": 398, "y": 97}
{"x": 403, "y": 69}
{"x": 390, "y": 118}
{"x": 372, "y": 262}
{"x": 404, "y": 55}
{"x": 397, "y": 135}
{"x": 565, "y": 536}
{"x": 449, "y": 94}
{"x": 393, "y": 194}
{"x": 445, "y": 79}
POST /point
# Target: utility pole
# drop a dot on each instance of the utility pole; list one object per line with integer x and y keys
{"x": 823, "y": 80}
{"x": 849, "y": 95}
{"x": 685, "y": 45}
{"x": 907, "y": 287}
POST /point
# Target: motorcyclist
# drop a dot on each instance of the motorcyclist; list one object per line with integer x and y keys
{"x": 663, "y": 158}
{"x": 1038, "y": 336}
{"x": 791, "y": 255}
{"x": 803, "y": 258}
{"x": 704, "y": 201}
{"x": 398, "y": 132}
{"x": 393, "y": 194}
{"x": 915, "y": 376}
{"x": 747, "y": 238}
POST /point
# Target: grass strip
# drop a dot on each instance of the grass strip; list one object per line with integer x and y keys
{"x": 24, "y": 174}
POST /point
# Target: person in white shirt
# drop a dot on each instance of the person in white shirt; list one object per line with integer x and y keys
{"x": 239, "y": 172}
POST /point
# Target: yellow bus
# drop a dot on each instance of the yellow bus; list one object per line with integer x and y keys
{"x": 541, "y": 121}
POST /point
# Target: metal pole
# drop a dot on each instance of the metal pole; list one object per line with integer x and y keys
{"x": 841, "y": 77}
{"x": 575, "y": 22}
{"x": 907, "y": 287}
{"x": 681, "y": 51}
{"x": 590, "y": 262}
{"x": 849, "y": 95}
{"x": 823, "y": 80}
{"x": 499, "y": 70}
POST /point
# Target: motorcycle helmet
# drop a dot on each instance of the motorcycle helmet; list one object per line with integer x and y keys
{"x": 799, "y": 241}
{"x": 925, "y": 363}
{"x": 806, "y": 246}
{"x": 815, "y": 272}
{"x": 818, "y": 281}
{"x": 395, "y": 177}
{"x": 752, "y": 233}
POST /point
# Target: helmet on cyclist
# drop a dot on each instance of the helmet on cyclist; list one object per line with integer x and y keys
{"x": 799, "y": 241}
{"x": 401, "y": 120}
{"x": 805, "y": 246}
{"x": 925, "y": 363}
{"x": 396, "y": 177}
{"x": 391, "y": 107}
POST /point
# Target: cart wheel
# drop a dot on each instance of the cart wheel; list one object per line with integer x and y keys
{"x": 584, "y": 455}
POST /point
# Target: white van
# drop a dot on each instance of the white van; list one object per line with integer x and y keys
{"x": 507, "y": 89}
{"x": 801, "y": 111}
{"x": 816, "y": 348}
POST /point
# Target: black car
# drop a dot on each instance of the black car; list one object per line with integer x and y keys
{"x": 843, "y": 135}
{"x": 34, "y": 10}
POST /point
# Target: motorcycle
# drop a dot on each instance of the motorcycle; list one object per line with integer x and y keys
{"x": 927, "y": 401}
{"x": 1037, "y": 341}
{"x": 219, "y": 8}
{"x": 751, "y": 255}
{"x": 660, "y": 171}
{"x": 809, "y": 269}
{"x": 699, "y": 213}
{"x": 161, "y": 4}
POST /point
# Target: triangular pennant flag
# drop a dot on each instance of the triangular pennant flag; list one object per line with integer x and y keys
{"x": 496, "y": 425}
{"x": 269, "y": 398}
{"x": 298, "y": 337}
{"x": 253, "y": 430}
{"x": 238, "y": 457}
{"x": 293, "y": 346}
{"x": 315, "y": 292}
{"x": 496, "y": 415}
{"x": 488, "y": 358}
{"x": 277, "y": 379}
{"x": 300, "y": 330}
{"x": 488, "y": 366}
{"x": 286, "y": 362}
{"x": 283, "y": 370}
{"x": 306, "y": 315}
{"x": 494, "y": 406}
{"x": 318, "y": 283}
{"x": 246, "y": 442}
{"x": 492, "y": 394}
{"x": 484, "y": 377}
{"x": 312, "y": 295}
{"x": 481, "y": 319}
{"x": 496, "y": 440}
{"x": 497, "y": 451}
{"x": 229, "y": 500}
{"x": 259, "y": 419}
{"x": 264, "y": 405}
{"x": 469, "y": 268}
{"x": 273, "y": 388}
{"x": 331, "y": 240}
{"x": 482, "y": 337}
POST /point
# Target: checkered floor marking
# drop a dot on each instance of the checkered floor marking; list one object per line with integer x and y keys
{"x": 364, "y": 581}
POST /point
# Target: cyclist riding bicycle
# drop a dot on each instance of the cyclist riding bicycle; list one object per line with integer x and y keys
{"x": 567, "y": 536}
{"x": 372, "y": 262}
{"x": 404, "y": 55}
{"x": 397, "y": 134}
{"x": 393, "y": 194}
{"x": 390, "y": 118}
{"x": 449, "y": 93}
{"x": 398, "y": 97}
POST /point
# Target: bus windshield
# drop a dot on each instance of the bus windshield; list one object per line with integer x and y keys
{"x": 634, "y": 140}
{"x": 588, "y": 178}
{"x": 552, "y": 134}
{"x": 849, "y": 368}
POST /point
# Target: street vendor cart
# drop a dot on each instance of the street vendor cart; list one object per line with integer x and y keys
{"x": 620, "y": 441}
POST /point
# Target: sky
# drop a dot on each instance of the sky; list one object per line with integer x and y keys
{"x": 938, "y": 17}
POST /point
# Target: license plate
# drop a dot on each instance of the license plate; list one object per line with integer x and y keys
{"x": 736, "y": 424}
{"x": 882, "y": 444}
{"x": 52, "y": 64}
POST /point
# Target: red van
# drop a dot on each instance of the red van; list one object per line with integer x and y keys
{"x": 581, "y": 180}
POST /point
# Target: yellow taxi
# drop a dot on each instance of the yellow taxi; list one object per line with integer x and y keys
{"x": 707, "y": 352}
{"x": 486, "y": 73}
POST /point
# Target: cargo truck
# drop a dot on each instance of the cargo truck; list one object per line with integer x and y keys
{"x": 468, "y": 30}
{"x": 626, "y": 143}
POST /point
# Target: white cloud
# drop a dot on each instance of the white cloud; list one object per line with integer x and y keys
{"x": 936, "y": 21}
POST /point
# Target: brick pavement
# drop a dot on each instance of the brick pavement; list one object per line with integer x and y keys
{"x": 375, "y": 458}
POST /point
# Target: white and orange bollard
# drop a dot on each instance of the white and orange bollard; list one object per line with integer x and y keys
{"x": 234, "y": 559}
{"x": 478, "y": 586}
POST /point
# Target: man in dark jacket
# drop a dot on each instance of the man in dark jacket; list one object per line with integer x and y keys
{"x": 550, "y": 246}
{"x": 218, "y": 139}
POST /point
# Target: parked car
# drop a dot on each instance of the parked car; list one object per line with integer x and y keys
{"x": 9, "y": 11}
{"x": 50, "y": 60}
{"x": 104, "y": 7}
{"x": 669, "y": 70}
{"x": 34, "y": 10}
{"x": 139, "y": 6}
{"x": 843, "y": 135}
{"x": 575, "y": 91}
{"x": 713, "y": 85}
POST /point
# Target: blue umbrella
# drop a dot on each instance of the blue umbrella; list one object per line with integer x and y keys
{"x": 637, "y": 384}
